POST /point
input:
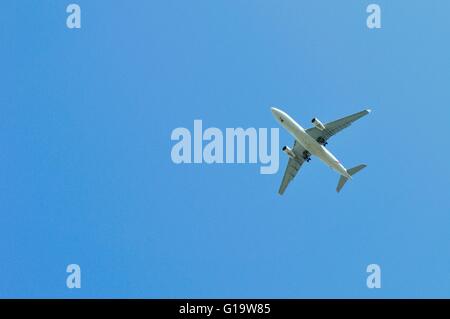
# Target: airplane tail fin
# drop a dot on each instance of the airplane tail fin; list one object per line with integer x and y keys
{"x": 351, "y": 172}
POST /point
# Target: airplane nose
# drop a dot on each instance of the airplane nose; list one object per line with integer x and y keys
{"x": 275, "y": 111}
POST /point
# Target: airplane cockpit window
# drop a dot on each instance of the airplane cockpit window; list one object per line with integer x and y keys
{"x": 281, "y": 119}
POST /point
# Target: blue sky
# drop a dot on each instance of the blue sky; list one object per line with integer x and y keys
{"x": 86, "y": 174}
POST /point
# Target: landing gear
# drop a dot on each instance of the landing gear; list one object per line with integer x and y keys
{"x": 306, "y": 156}
{"x": 322, "y": 141}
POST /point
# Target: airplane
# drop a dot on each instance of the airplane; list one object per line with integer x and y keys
{"x": 312, "y": 141}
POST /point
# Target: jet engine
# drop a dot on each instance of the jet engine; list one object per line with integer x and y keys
{"x": 289, "y": 152}
{"x": 318, "y": 124}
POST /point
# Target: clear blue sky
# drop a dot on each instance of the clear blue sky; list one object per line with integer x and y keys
{"x": 86, "y": 175}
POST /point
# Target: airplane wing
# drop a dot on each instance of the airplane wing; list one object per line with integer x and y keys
{"x": 293, "y": 167}
{"x": 334, "y": 127}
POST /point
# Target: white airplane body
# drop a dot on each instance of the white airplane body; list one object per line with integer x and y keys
{"x": 312, "y": 142}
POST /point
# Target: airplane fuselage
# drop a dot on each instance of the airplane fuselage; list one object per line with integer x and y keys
{"x": 308, "y": 142}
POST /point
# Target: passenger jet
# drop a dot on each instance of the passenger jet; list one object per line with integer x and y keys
{"x": 312, "y": 141}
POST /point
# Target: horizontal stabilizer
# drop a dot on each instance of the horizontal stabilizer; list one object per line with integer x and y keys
{"x": 351, "y": 172}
